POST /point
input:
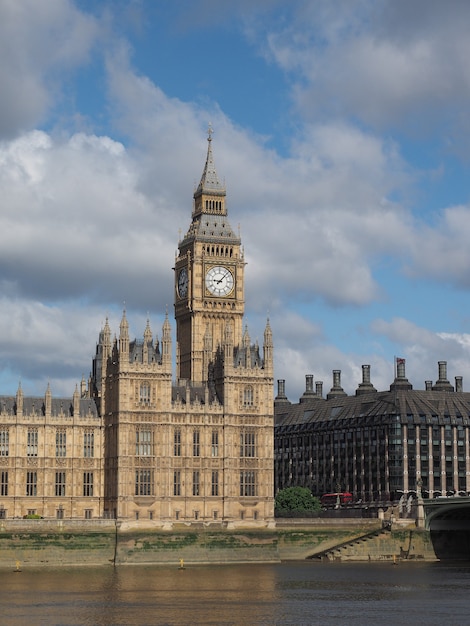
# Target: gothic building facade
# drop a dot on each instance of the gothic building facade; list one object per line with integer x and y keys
{"x": 137, "y": 443}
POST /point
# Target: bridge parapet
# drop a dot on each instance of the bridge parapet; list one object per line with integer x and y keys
{"x": 447, "y": 513}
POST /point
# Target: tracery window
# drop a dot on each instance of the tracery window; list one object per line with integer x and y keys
{"x": 144, "y": 393}
{"x": 60, "y": 443}
{"x": 143, "y": 442}
{"x": 177, "y": 483}
{"x": 60, "y": 483}
{"x": 31, "y": 483}
{"x": 248, "y": 444}
{"x": 32, "y": 442}
{"x": 196, "y": 483}
{"x": 215, "y": 483}
{"x": 247, "y": 483}
{"x": 215, "y": 443}
{"x": 143, "y": 482}
{"x": 4, "y": 442}
{"x": 89, "y": 444}
{"x": 196, "y": 443}
{"x": 4, "y": 484}
{"x": 87, "y": 483}
{"x": 177, "y": 443}
{"x": 248, "y": 396}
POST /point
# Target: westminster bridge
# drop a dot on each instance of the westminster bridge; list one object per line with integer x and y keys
{"x": 448, "y": 521}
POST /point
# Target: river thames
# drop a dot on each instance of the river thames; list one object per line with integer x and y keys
{"x": 307, "y": 592}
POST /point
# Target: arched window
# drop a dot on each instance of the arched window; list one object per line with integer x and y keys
{"x": 248, "y": 396}
{"x": 144, "y": 393}
{"x": 143, "y": 443}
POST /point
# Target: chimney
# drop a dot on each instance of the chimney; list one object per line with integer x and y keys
{"x": 281, "y": 392}
{"x": 401, "y": 382}
{"x": 428, "y": 385}
{"x": 308, "y": 393}
{"x": 336, "y": 391}
{"x": 442, "y": 384}
{"x": 459, "y": 384}
{"x": 365, "y": 386}
{"x": 319, "y": 388}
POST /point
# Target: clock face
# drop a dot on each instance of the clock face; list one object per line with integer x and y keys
{"x": 219, "y": 281}
{"x": 183, "y": 283}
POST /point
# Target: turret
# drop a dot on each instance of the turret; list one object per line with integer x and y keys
{"x": 103, "y": 352}
{"x": 124, "y": 338}
{"x": 76, "y": 402}
{"x": 147, "y": 343}
{"x": 246, "y": 341}
{"x": 19, "y": 401}
{"x": 83, "y": 389}
{"x": 48, "y": 401}
{"x": 268, "y": 359}
{"x": 166, "y": 343}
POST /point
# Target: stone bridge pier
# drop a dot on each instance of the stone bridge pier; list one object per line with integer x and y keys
{"x": 448, "y": 522}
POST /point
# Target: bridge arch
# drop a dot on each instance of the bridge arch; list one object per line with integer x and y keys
{"x": 448, "y": 522}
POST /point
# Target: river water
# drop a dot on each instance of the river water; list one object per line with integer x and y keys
{"x": 297, "y": 593}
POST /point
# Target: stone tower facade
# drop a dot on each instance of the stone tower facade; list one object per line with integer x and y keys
{"x": 198, "y": 449}
{"x": 209, "y": 282}
{"x": 136, "y": 444}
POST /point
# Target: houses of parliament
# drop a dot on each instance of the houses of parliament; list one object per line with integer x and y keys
{"x": 135, "y": 443}
{"x": 212, "y": 445}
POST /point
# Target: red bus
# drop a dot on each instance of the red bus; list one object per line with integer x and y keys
{"x": 331, "y": 500}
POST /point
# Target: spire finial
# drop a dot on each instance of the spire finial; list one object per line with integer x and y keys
{"x": 210, "y": 131}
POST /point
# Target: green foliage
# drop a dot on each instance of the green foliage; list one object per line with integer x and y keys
{"x": 296, "y": 499}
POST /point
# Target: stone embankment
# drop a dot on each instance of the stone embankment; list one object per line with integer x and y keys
{"x": 105, "y": 542}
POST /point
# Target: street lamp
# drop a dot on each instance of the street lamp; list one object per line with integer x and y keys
{"x": 338, "y": 500}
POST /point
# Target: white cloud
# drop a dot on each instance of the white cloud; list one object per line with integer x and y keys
{"x": 89, "y": 222}
{"x": 424, "y": 348}
{"x": 441, "y": 251}
{"x": 390, "y": 64}
{"x": 75, "y": 223}
{"x": 38, "y": 40}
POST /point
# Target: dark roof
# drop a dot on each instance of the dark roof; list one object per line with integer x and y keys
{"x": 59, "y": 406}
{"x": 410, "y": 405}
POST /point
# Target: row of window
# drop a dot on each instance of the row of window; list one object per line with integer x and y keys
{"x": 60, "y": 483}
{"x": 246, "y": 398}
{"x": 88, "y": 513}
{"x": 32, "y": 443}
{"x": 144, "y": 443}
{"x": 144, "y": 485}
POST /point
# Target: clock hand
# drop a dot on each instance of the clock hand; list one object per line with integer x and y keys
{"x": 224, "y": 276}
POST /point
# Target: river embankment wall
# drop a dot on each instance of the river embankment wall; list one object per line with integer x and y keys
{"x": 106, "y": 542}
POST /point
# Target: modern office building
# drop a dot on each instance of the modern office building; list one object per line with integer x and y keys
{"x": 376, "y": 445}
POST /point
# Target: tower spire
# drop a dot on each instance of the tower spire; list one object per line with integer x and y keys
{"x": 210, "y": 182}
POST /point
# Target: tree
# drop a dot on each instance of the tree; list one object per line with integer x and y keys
{"x": 296, "y": 500}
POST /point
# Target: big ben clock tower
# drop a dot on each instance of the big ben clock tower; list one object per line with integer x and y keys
{"x": 209, "y": 289}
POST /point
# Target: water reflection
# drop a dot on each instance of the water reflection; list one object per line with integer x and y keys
{"x": 294, "y": 593}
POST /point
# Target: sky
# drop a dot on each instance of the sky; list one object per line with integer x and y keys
{"x": 341, "y": 130}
